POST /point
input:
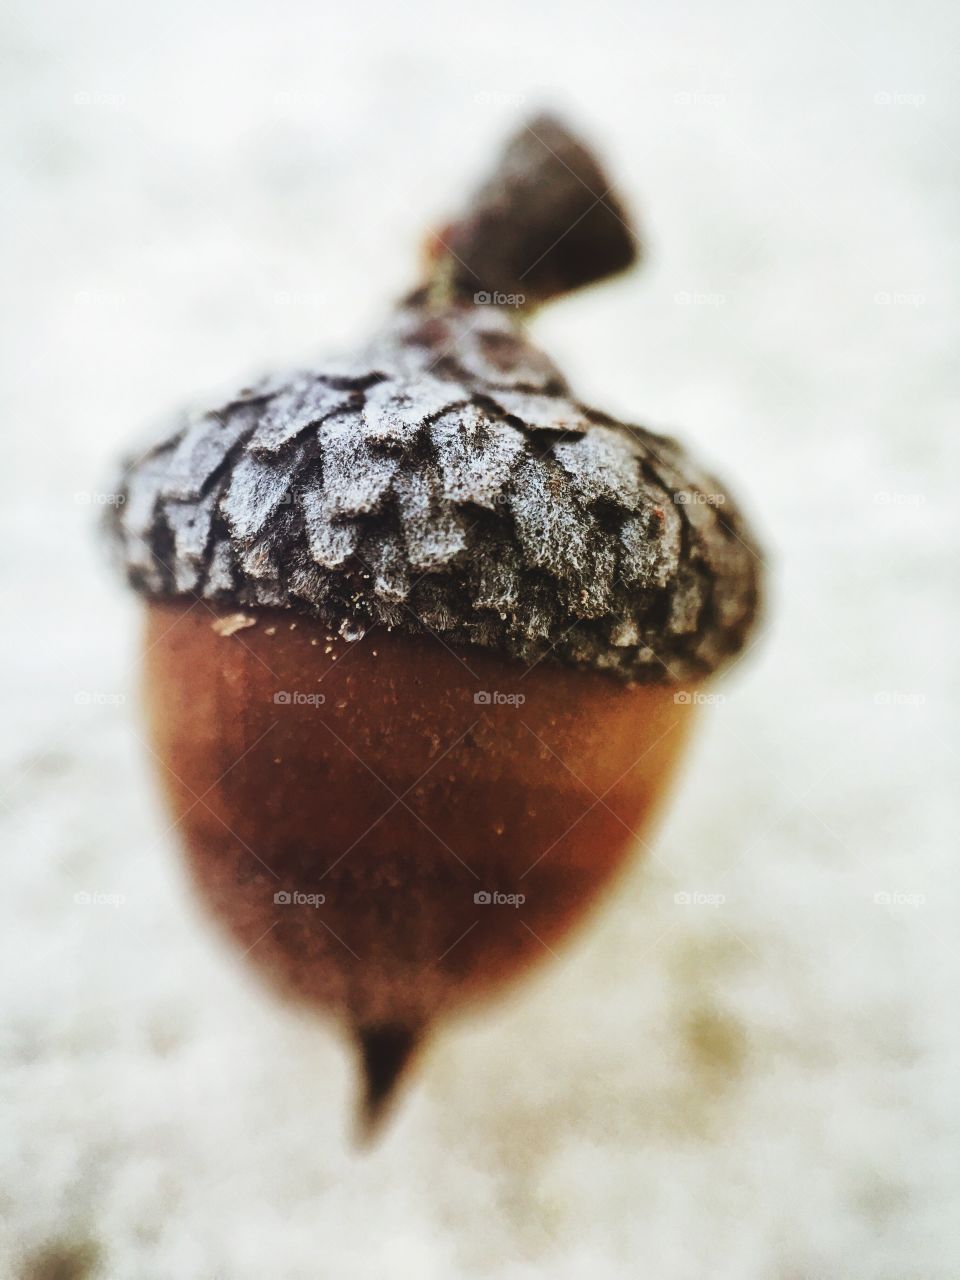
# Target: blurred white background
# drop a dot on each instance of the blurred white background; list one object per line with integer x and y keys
{"x": 763, "y": 1089}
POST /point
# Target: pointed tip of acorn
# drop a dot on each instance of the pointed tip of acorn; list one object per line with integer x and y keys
{"x": 386, "y": 1050}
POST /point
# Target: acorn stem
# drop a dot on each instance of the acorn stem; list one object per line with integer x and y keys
{"x": 544, "y": 223}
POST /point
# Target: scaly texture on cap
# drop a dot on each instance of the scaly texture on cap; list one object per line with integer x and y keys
{"x": 446, "y": 481}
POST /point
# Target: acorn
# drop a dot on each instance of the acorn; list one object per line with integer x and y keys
{"x": 424, "y": 632}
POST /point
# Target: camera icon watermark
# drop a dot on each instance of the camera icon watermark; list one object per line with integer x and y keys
{"x": 294, "y": 698}
{"x": 697, "y": 898}
{"x": 897, "y": 898}
{"x": 294, "y": 898}
{"x": 494, "y": 698}
{"x": 884, "y": 498}
{"x": 693, "y": 498}
{"x": 892, "y": 698}
{"x": 84, "y": 698}
{"x": 694, "y": 298}
{"x": 94, "y": 898}
{"x": 299, "y": 298}
{"x": 499, "y": 98}
{"x": 98, "y": 98}
{"x": 894, "y": 298}
{"x": 897, "y": 98}
{"x": 484, "y": 299}
{"x": 697, "y": 98}
{"x": 94, "y": 498}
{"x": 693, "y": 697}
{"x": 493, "y": 898}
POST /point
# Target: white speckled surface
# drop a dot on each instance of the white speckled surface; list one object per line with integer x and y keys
{"x": 760, "y": 1090}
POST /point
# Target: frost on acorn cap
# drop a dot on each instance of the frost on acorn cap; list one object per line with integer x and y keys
{"x": 446, "y": 481}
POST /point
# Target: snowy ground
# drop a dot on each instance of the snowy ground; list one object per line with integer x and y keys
{"x": 760, "y": 1090}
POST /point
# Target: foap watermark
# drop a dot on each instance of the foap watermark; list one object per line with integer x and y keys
{"x": 99, "y": 98}
{"x": 95, "y": 898}
{"x": 99, "y": 298}
{"x": 694, "y": 698}
{"x": 298, "y": 298}
{"x": 898, "y": 898}
{"x": 897, "y": 98}
{"x": 693, "y": 298}
{"x": 292, "y": 494}
{"x": 300, "y": 98}
{"x": 499, "y": 98}
{"x": 888, "y": 498}
{"x": 496, "y": 299}
{"x": 295, "y": 698}
{"x": 295, "y": 898}
{"x": 85, "y": 698}
{"x": 697, "y": 98}
{"x": 694, "y": 498}
{"x": 494, "y": 898}
{"x": 698, "y": 898}
{"x": 98, "y": 498}
{"x": 895, "y": 698}
{"x": 896, "y": 298}
{"x": 494, "y": 698}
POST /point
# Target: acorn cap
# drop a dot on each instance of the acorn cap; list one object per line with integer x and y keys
{"x": 446, "y": 481}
